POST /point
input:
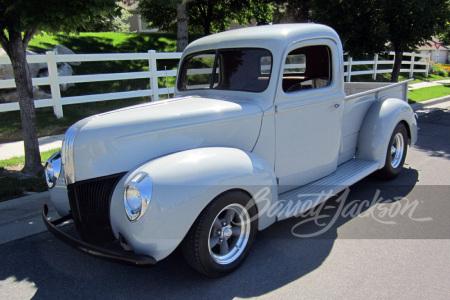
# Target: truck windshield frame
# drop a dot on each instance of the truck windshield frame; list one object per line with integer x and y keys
{"x": 231, "y": 69}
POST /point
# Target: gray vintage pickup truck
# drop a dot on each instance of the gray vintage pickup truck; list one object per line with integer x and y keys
{"x": 261, "y": 124}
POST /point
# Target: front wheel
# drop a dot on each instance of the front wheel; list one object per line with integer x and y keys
{"x": 396, "y": 153}
{"x": 220, "y": 238}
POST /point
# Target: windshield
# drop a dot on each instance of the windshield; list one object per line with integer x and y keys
{"x": 227, "y": 69}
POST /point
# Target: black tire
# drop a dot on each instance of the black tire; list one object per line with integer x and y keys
{"x": 215, "y": 261}
{"x": 395, "y": 157}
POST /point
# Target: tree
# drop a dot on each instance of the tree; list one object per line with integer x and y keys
{"x": 412, "y": 23}
{"x": 20, "y": 20}
{"x": 204, "y": 16}
{"x": 375, "y": 26}
{"x": 357, "y": 22}
{"x": 182, "y": 26}
{"x": 109, "y": 23}
{"x": 292, "y": 11}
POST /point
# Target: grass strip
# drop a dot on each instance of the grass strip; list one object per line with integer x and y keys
{"x": 419, "y": 95}
{"x": 12, "y": 185}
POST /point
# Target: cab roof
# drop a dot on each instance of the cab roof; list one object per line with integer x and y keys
{"x": 272, "y": 37}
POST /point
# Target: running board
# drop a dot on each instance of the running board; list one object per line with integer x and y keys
{"x": 297, "y": 201}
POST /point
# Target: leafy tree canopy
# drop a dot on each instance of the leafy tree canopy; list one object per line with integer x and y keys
{"x": 109, "y": 23}
{"x": 19, "y": 21}
{"x": 375, "y": 26}
{"x": 53, "y": 15}
{"x": 205, "y": 16}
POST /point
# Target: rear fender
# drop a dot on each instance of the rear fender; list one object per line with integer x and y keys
{"x": 378, "y": 126}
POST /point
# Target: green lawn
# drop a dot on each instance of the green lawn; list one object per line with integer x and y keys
{"x": 21, "y": 159}
{"x": 110, "y": 42}
{"x": 12, "y": 185}
{"x": 105, "y": 42}
{"x": 432, "y": 92}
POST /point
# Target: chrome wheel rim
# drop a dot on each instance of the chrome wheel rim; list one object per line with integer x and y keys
{"x": 397, "y": 149}
{"x": 229, "y": 234}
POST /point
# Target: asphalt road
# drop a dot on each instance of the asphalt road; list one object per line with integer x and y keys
{"x": 386, "y": 240}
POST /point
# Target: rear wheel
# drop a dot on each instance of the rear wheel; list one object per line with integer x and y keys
{"x": 221, "y": 237}
{"x": 396, "y": 153}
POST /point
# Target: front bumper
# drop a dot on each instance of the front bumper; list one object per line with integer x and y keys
{"x": 111, "y": 254}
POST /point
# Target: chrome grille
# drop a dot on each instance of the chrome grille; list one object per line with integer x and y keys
{"x": 90, "y": 204}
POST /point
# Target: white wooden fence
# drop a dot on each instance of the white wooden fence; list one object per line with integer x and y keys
{"x": 51, "y": 59}
{"x": 57, "y": 102}
{"x": 424, "y": 61}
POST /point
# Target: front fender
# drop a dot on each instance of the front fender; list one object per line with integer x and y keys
{"x": 378, "y": 126}
{"x": 183, "y": 185}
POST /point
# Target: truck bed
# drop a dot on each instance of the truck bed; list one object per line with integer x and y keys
{"x": 359, "y": 98}
{"x": 378, "y": 89}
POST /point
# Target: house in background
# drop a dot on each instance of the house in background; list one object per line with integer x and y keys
{"x": 439, "y": 53}
{"x": 137, "y": 24}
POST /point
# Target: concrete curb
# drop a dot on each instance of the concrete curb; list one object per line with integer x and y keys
{"x": 436, "y": 102}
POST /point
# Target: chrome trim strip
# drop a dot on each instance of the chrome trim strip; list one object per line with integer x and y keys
{"x": 67, "y": 152}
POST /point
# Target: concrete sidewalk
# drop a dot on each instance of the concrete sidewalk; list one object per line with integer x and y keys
{"x": 16, "y": 149}
{"x": 425, "y": 84}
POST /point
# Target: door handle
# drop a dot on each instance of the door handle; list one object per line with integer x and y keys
{"x": 335, "y": 107}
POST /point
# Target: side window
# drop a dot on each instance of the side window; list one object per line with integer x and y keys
{"x": 307, "y": 68}
{"x": 198, "y": 71}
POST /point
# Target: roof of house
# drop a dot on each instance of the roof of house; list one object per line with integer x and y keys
{"x": 432, "y": 44}
{"x": 130, "y": 4}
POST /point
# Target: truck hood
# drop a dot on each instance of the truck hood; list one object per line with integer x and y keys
{"x": 121, "y": 140}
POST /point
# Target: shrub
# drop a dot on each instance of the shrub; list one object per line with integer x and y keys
{"x": 438, "y": 69}
{"x": 446, "y": 67}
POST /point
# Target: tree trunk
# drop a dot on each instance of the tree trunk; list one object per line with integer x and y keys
{"x": 207, "y": 28}
{"x": 208, "y": 19}
{"x": 303, "y": 16}
{"x": 397, "y": 64}
{"x": 17, "y": 54}
{"x": 182, "y": 27}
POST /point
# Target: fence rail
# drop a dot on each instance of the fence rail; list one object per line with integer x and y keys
{"x": 54, "y": 80}
{"x": 424, "y": 60}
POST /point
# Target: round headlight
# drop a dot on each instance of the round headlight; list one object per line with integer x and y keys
{"x": 53, "y": 169}
{"x": 137, "y": 196}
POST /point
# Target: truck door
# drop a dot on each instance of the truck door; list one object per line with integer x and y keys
{"x": 308, "y": 114}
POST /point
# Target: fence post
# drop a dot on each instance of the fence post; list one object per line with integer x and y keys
{"x": 375, "y": 63}
{"x": 428, "y": 64}
{"x": 413, "y": 60}
{"x": 153, "y": 74}
{"x": 54, "y": 83}
{"x": 349, "y": 69}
